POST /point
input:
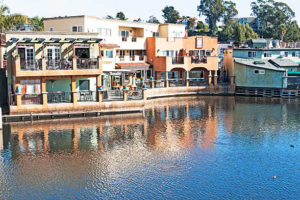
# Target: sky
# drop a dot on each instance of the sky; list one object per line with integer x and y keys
{"x": 133, "y": 9}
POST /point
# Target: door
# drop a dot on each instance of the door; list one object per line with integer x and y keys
{"x": 53, "y": 56}
{"x": 26, "y": 57}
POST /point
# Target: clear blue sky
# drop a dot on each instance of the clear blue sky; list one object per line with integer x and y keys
{"x": 132, "y": 8}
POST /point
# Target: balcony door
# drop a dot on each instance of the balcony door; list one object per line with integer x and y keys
{"x": 53, "y": 56}
{"x": 26, "y": 56}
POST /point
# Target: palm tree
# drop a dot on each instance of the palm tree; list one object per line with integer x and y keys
{"x": 283, "y": 31}
{"x": 14, "y": 20}
{"x": 38, "y": 23}
{"x": 4, "y": 10}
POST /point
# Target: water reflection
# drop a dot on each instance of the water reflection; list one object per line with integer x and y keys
{"x": 126, "y": 155}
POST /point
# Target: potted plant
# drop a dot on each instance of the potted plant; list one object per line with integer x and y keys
{"x": 100, "y": 88}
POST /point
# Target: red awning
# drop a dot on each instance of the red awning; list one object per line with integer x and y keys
{"x": 134, "y": 66}
{"x": 109, "y": 46}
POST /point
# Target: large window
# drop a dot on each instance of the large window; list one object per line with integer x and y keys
{"x": 84, "y": 85}
{"x": 104, "y": 31}
{"x": 77, "y": 29}
{"x": 268, "y": 54}
{"x": 125, "y": 33}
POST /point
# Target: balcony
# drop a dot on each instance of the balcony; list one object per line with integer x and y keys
{"x": 136, "y": 58}
{"x": 178, "y": 60}
{"x": 198, "y": 60}
{"x": 134, "y": 43}
{"x": 63, "y": 67}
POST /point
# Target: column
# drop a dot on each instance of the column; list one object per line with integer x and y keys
{"x": 216, "y": 78}
{"x": 74, "y": 63}
{"x": 144, "y": 94}
{"x": 167, "y": 80}
{"x": 209, "y": 78}
{"x": 99, "y": 92}
{"x": 187, "y": 78}
{"x": 44, "y": 92}
{"x": 73, "y": 90}
{"x": 125, "y": 95}
{"x": 44, "y": 64}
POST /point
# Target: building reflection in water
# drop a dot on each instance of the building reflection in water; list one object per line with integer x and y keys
{"x": 166, "y": 125}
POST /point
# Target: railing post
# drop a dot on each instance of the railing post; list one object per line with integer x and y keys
{"x": 209, "y": 77}
{"x": 145, "y": 94}
{"x": 18, "y": 64}
{"x": 44, "y": 92}
{"x": 152, "y": 84}
{"x": 100, "y": 96}
{"x": 187, "y": 79}
{"x": 167, "y": 80}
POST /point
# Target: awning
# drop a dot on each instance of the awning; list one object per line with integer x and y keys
{"x": 110, "y": 46}
{"x": 134, "y": 66}
{"x": 294, "y": 73}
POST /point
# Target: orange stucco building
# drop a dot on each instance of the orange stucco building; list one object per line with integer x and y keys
{"x": 184, "y": 58}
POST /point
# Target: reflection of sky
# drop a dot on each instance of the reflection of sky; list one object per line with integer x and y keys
{"x": 178, "y": 150}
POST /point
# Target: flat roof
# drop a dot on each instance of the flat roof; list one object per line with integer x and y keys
{"x": 49, "y": 33}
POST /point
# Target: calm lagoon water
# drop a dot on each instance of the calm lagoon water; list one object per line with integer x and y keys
{"x": 181, "y": 148}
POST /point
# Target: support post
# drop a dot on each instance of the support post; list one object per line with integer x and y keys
{"x": 209, "y": 78}
{"x": 216, "y": 78}
{"x": 152, "y": 84}
{"x": 125, "y": 95}
{"x": 145, "y": 94}
{"x": 187, "y": 78}
{"x": 73, "y": 89}
{"x": 19, "y": 100}
{"x": 44, "y": 64}
{"x": 99, "y": 92}
{"x": 44, "y": 92}
{"x": 74, "y": 63}
{"x": 167, "y": 80}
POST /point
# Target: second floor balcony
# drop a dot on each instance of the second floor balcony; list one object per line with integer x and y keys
{"x": 66, "y": 66}
{"x": 135, "y": 58}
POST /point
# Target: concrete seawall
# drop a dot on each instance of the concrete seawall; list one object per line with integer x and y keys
{"x": 85, "y": 109}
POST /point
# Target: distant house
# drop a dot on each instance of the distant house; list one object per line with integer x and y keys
{"x": 258, "y": 74}
{"x": 254, "y": 22}
{"x": 257, "y": 43}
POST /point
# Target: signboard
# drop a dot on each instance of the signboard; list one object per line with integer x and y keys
{"x": 199, "y": 43}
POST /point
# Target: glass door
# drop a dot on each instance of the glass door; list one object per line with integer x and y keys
{"x": 53, "y": 57}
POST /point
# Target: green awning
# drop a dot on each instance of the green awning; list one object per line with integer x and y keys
{"x": 294, "y": 73}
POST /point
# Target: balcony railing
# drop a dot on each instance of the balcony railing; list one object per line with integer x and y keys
{"x": 87, "y": 63}
{"x": 31, "y": 99}
{"x": 178, "y": 60}
{"x": 141, "y": 58}
{"x": 64, "y": 64}
{"x": 198, "y": 82}
{"x": 31, "y": 65}
{"x": 198, "y": 60}
{"x": 59, "y": 97}
{"x": 87, "y": 96}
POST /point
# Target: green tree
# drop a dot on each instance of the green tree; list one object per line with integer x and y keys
{"x": 153, "y": 19}
{"x": 38, "y": 23}
{"x": 170, "y": 14}
{"x": 215, "y": 11}
{"x": 243, "y": 33}
{"x": 272, "y": 14}
{"x": 292, "y": 32}
{"x": 121, "y": 16}
{"x": 4, "y": 11}
{"x": 191, "y": 23}
{"x": 201, "y": 27}
{"x": 226, "y": 34}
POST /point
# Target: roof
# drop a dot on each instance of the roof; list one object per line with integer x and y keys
{"x": 136, "y": 66}
{"x": 259, "y": 40}
{"x": 258, "y": 63}
{"x": 284, "y": 62}
{"x": 112, "y": 46}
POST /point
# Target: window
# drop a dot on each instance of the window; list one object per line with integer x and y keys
{"x": 77, "y": 29}
{"x": 286, "y": 54}
{"x": 259, "y": 71}
{"x": 84, "y": 85}
{"x": 251, "y": 54}
{"x": 51, "y": 29}
{"x": 122, "y": 53}
{"x": 268, "y": 54}
{"x": 109, "y": 54}
{"x": 104, "y": 31}
{"x": 125, "y": 33}
{"x": 102, "y": 53}
{"x": 294, "y": 54}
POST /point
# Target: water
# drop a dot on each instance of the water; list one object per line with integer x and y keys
{"x": 182, "y": 148}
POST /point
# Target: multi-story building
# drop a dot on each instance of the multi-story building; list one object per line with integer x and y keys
{"x": 184, "y": 58}
{"x": 52, "y": 71}
{"x": 280, "y": 63}
{"x": 124, "y": 42}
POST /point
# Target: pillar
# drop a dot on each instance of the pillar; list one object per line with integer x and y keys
{"x": 125, "y": 95}
{"x": 44, "y": 64}
{"x": 187, "y": 78}
{"x": 216, "y": 78}
{"x": 73, "y": 89}
{"x": 209, "y": 78}
{"x": 145, "y": 94}
{"x": 44, "y": 92}
{"x": 74, "y": 63}
{"x": 167, "y": 80}
{"x": 99, "y": 92}
{"x": 19, "y": 100}
{"x": 152, "y": 84}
